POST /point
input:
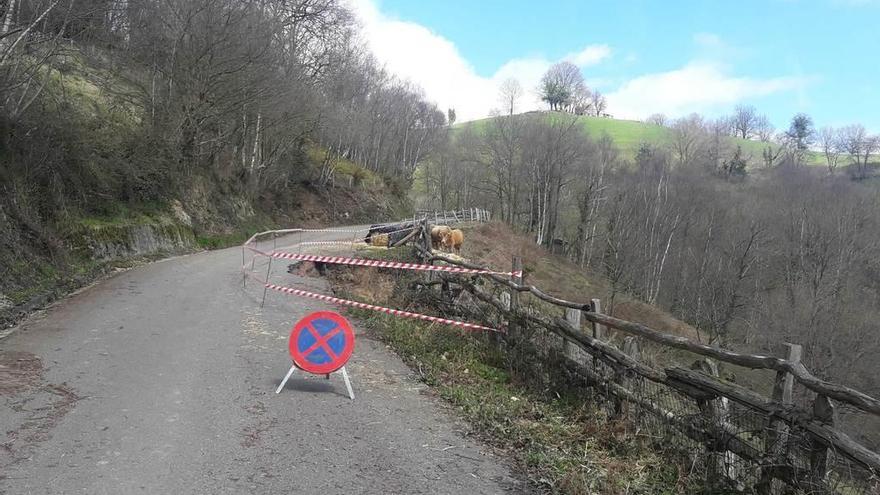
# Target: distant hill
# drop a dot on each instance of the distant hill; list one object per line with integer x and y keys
{"x": 630, "y": 134}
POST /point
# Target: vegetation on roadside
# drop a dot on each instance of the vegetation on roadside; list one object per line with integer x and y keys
{"x": 564, "y": 442}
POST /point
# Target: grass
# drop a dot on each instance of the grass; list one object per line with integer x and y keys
{"x": 344, "y": 167}
{"x": 563, "y": 442}
{"x": 629, "y": 135}
{"x": 213, "y": 241}
{"x": 494, "y": 244}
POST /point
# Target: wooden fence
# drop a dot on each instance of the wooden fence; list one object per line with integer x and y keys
{"x": 742, "y": 439}
{"x": 454, "y": 216}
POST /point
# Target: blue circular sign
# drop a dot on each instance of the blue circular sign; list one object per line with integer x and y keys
{"x": 321, "y": 343}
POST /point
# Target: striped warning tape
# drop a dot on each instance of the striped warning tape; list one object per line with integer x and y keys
{"x": 395, "y": 312}
{"x": 338, "y": 231}
{"x": 338, "y": 260}
{"x": 331, "y": 243}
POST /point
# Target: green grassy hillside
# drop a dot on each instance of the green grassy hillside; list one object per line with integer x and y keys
{"x": 630, "y": 134}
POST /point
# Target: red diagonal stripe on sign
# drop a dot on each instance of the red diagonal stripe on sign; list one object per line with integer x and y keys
{"x": 321, "y": 341}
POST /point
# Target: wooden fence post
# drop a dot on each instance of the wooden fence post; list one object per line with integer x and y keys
{"x": 783, "y": 386}
{"x": 572, "y": 316}
{"x": 631, "y": 349}
{"x": 514, "y": 298}
{"x": 776, "y": 441}
{"x": 598, "y": 330}
{"x": 721, "y": 463}
{"x": 823, "y": 410}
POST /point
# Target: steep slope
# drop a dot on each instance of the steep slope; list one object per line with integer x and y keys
{"x": 115, "y": 195}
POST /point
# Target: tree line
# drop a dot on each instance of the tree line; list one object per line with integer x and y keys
{"x": 233, "y": 90}
{"x": 752, "y": 257}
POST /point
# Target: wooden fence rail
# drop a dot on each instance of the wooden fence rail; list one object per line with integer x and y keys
{"x": 800, "y": 373}
{"x": 799, "y": 447}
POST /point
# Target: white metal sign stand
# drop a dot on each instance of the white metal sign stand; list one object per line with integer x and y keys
{"x": 341, "y": 370}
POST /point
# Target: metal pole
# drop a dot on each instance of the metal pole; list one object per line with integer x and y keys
{"x": 266, "y": 284}
{"x": 286, "y": 377}
{"x": 254, "y": 259}
{"x": 243, "y": 274}
{"x": 347, "y": 383}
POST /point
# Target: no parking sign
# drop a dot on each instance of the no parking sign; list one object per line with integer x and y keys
{"x": 321, "y": 343}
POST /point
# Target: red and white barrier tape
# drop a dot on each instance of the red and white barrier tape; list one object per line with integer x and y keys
{"x": 395, "y": 312}
{"x": 338, "y": 231}
{"x": 337, "y": 260}
{"x": 331, "y": 243}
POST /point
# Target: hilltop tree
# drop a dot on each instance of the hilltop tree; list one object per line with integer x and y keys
{"x": 563, "y": 86}
{"x": 856, "y": 142}
{"x": 657, "y": 119}
{"x": 598, "y": 103}
{"x": 764, "y": 129}
{"x": 688, "y": 138}
{"x": 743, "y": 121}
{"x": 799, "y": 136}
{"x": 829, "y": 140}
{"x": 510, "y": 93}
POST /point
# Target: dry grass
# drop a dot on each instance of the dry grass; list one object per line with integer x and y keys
{"x": 564, "y": 443}
{"x": 494, "y": 244}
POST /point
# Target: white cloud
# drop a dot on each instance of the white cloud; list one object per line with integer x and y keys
{"x": 590, "y": 55}
{"x": 696, "y": 87}
{"x": 414, "y": 52}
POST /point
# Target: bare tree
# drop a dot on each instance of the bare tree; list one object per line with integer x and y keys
{"x": 657, "y": 119}
{"x": 743, "y": 121}
{"x": 688, "y": 138}
{"x": 764, "y": 129}
{"x": 859, "y": 145}
{"x": 771, "y": 153}
{"x": 510, "y": 93}
{"x": 829, "y": 140}
{"x": 598, "y": 103}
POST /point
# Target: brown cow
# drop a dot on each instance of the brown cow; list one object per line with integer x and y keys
{"x": 437, "y": 233}
{"x": 453, "y": 240}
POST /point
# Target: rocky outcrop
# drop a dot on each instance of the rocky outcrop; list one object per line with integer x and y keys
{"x": 135, "y": 240}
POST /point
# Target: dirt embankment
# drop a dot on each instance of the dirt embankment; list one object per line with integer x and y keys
{"x": 494, "y": 244}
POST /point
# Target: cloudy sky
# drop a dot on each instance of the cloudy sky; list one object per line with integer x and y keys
{"x": 783, "y": 56}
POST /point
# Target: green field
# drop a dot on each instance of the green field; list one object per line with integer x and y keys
{"x": 630, "y": 134}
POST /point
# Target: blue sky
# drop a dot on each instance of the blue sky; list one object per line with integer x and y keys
{"x": 821, "y": 57}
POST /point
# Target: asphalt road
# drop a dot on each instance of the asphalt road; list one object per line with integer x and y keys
{"x": 161, "y": 380}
